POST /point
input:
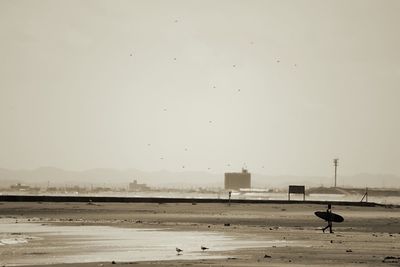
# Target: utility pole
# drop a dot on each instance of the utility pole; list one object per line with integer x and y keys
{"x": 335, "y": 162}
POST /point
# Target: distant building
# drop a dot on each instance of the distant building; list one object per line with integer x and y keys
{"x": 27, "y": 188}
{"x": 237, "y": 180}
{"x": 20, "y": 187}
{"x": 137, "y": 187}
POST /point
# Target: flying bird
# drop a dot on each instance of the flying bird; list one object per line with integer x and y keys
{"x": 203, "y": 248}
{"x": 178, "y": 250}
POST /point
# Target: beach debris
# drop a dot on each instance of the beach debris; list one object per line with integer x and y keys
{"x": 349, "y": 250}
{"x": 391, "y": 259}
{"x": 203, "y": 248}
{"x": 178, "y": 250}
{"x": 232, "y": 258}
{"x": 227, "y": 224}
{"x": 113, "y": 262}
{"x": 267, "y": 256}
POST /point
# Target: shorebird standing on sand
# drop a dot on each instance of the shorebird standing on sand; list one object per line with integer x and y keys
{"x": 178, "y": 250}
{"x": 203, "y": 248}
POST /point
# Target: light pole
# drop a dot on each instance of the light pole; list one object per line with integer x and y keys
{"x": 335, "y": 162}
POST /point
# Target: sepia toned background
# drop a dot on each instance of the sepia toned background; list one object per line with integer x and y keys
{"x": 281, "y": 87}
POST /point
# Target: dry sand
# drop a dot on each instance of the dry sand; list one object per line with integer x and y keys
{"x": 366, "y": 238}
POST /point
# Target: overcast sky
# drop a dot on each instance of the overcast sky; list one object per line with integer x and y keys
{"x": 281, "y": 86}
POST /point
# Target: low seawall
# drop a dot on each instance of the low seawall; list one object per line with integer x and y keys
{"x": 31, "y": 198}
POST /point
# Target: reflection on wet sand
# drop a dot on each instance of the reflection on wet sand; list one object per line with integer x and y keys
{"x": 50, "y": 244}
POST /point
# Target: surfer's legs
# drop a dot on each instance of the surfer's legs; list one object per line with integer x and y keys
{"x": 330, "y": 227}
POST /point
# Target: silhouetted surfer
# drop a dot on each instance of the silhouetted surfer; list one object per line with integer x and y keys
{"x": 329, "y": 219}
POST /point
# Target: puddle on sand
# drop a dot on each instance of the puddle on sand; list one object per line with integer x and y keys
{"x": 51, "y": 244}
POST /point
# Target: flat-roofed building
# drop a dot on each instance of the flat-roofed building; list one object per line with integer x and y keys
{"x": 237, "y": 180}
{"x": 137, "y": 187}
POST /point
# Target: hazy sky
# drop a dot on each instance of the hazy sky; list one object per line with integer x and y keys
{"x": 283, "y": 86}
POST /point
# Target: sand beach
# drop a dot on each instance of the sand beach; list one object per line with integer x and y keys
{"x": 104, "y": 234}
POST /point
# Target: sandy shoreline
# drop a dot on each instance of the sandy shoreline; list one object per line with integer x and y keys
{"x": 368, "y": 235}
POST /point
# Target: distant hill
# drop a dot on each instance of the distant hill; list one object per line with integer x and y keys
{"x": 113, "y": 177}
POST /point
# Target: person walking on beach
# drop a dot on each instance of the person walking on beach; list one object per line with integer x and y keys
{"x": 329, "y": 219}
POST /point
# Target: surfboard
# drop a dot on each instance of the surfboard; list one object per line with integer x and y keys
{"x": 334, "y": 217}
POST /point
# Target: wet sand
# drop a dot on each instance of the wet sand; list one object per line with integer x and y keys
{"x": 366, "y": 238}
